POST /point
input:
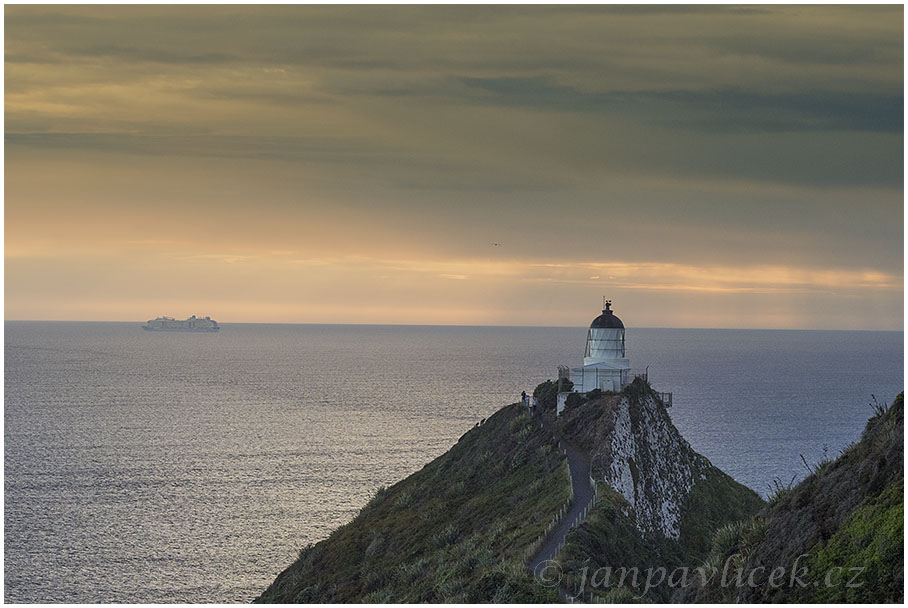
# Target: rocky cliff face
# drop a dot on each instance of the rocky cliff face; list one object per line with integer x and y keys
{"x": 648, "y": 463}
{"x": 637, "y": 451}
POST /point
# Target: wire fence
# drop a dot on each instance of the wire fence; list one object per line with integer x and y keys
{"x": 562, "y": 512}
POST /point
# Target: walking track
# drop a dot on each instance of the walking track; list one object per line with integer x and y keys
{"x": 579, "y": 468}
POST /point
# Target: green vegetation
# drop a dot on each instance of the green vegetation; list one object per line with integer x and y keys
{"x": 586, "y": 421}
{"x": 456, "y": 531}
{"x": 574, "y": 400}
{"x": 779, "y": 490}
{"x": 870, "y": 538}
{"x": 714, "y": 501}
{"x": 547, "y": 394}
{"x": 843, "y": 524}
{"x": 610, "y": 538}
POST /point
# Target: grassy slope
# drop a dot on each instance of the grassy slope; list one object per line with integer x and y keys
{"x": 847, "y": 513}
{"x": 712, "y": 503}
{"x": 454, "y": 531}
{"x": 609, "y": 537}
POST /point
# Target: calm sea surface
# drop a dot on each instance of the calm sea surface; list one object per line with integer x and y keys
{"x": 148, "y": 467}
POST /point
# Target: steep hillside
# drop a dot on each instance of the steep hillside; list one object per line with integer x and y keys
{"x": 460, "y": 529}
{"x": 636, "y": 450}
{"x": 838, "y": 534}
{"x": 456, "y": 531}
{"x": 662, "y": 501}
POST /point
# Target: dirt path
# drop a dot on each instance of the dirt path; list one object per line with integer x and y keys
{"x": 579, "y": 468}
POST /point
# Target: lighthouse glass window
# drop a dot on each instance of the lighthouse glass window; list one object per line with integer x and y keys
{"x": 605, "y": 343}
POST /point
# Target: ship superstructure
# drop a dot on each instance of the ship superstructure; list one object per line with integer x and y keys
{"x": 193, "y": 323}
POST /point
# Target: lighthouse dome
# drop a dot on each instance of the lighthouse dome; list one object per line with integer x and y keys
{"x": 607, "y": 320}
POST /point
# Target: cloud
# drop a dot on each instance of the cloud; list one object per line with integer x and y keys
{"x": 227, "y": 258}
{"x": 159, "y": 55}
{"x": 271, "y": 147}
{"x": 392, "y": 164}
{"x": 723, "y": 110}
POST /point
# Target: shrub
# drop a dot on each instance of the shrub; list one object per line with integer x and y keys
{"x": 725, "y": 541}
{"x": 879, "y": 409}
{"x": 546, "y": 394}
{"x": 404, "y": 500}
{"x": 574, "y": 400}
{"x": 619, "y": 595}
{"x": 382, "y": 596}
{"x": 448, "y": 535}
{"x": 375, "y": 544}
{"x": 376, "y": 500}
{"x": 305, "y": 551}
{"x": 779, "y": 490}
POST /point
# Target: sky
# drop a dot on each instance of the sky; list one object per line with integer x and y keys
{"x": 469, "y": 165}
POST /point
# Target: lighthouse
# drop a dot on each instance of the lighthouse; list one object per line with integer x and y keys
{"x": 605, "y": 363}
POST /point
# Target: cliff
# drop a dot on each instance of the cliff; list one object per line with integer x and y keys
{"x": 637, "y": 451}
{"x": 663, "y": 501}
{"x": 462, "y": 528}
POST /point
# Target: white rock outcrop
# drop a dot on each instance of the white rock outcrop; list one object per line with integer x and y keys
{"x": 647, "y": 461}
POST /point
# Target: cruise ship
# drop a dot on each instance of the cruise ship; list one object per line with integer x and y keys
{"x": 193, "y": 323}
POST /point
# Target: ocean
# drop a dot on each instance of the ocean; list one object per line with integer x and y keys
{"x": 176, "y": 467}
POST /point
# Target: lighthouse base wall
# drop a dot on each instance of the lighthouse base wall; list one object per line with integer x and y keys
{"x": 591, "y": 378}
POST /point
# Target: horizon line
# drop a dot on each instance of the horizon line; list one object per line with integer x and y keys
{"x": 139, "y": 323}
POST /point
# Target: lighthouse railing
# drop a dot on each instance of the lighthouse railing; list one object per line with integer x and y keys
{"x": 633, "y": 374}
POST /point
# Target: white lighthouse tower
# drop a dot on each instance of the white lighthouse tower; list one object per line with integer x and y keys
{"x": 605, "y": 366}
{"x": 604, "y": 363}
